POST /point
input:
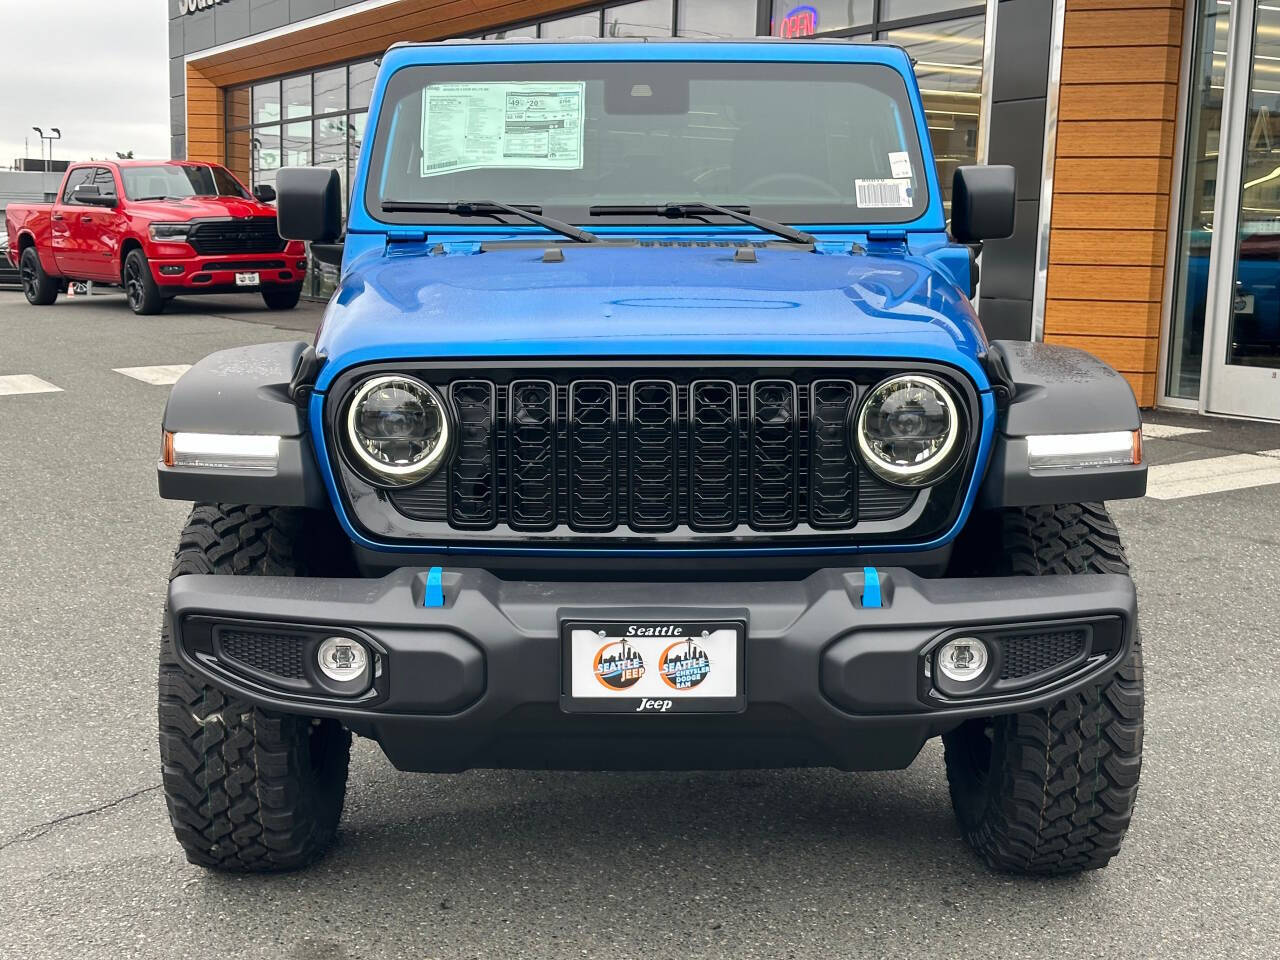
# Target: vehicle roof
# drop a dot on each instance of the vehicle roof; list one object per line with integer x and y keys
{"x": 861, "y": 41}
{"x": 142, "y": 163}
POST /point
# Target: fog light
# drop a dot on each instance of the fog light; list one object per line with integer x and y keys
{"x": 963, "y": 659}
{"x": 342, "y": 659}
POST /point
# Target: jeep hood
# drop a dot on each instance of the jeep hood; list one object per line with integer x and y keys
{"x": 648, "y": 302}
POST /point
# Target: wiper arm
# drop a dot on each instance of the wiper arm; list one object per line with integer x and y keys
{"x": 700, "y": 208}
{"x": 491, "y": 208}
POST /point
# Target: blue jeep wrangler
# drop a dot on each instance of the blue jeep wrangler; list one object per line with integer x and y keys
{"x": 650, "y": 427}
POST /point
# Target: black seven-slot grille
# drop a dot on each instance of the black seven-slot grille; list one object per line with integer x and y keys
{"x": 650, "y": 455}
{"x": 254, "y": 235}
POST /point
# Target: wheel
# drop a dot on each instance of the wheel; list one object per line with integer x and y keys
{"x": 1050, "y": 791}
{"x": 140, "y": 287}
{"x": 248, "y": 790}
{"x": 281, "y": 298}
{"x": 40, "y": 288}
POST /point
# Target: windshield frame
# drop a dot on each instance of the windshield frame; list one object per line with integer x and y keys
{"x": 487, "y": 59}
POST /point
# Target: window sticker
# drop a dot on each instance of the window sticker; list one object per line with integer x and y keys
{"x": 531, "y": 126}
{"x": 900, "y": 164}
{"x": 883, "y": 193}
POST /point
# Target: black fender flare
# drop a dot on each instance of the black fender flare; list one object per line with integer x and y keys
{"x": 1051, "y": 389}
{"x": 246, "y": 390}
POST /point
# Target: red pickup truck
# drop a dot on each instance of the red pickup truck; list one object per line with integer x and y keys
{"x": 159, "y": 229}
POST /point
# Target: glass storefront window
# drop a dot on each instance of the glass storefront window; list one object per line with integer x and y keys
{"x": 331, "y": 90}
{"x": 266, "y": 102}
{"x": 296, "y": 147}
{"x": 648, "y": 18}
{"x": 1199, "y": 192}
{"x": 529, "y": 31}
{"x": 297, "y": 96}
{"x": 581, "y": 25}
{"x": 716, "y": 18}
{"x": 902, "y": 9}
{"x": 360, "y": 84}
{"x": 948, "y": 59}
{"x": 266, "y": 154}
{"x": 804, "y": 18}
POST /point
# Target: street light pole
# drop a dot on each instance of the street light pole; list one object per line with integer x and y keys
{"x": 54, "y": 134}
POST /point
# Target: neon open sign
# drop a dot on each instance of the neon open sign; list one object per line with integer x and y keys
{"x": 798, "y": 22}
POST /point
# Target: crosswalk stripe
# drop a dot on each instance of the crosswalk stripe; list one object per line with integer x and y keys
{"x": 1194, "y": 478}
{"x": 1164, "y": 431}
{"x": 18, "y": 383}
{"x": 161, "y": 375}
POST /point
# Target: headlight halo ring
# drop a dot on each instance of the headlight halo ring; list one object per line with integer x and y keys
{"x": 396, "y": 475}
{"x": 931, "y": 471}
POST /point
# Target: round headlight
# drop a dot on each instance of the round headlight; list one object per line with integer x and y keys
{"x": 908, "y": 430}
{"x": 397, "y": 429}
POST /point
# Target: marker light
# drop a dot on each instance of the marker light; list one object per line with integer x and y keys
{"x": 963, "y": 659}
{"x": 222, "y": 451}
{"x": 342, "y": 659}
{"x": 1080, "y": 450}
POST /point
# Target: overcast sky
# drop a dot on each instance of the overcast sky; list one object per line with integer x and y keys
{"x": 98, "y": 70}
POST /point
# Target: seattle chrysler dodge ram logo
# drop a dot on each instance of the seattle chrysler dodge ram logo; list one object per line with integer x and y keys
{"x": 191, "y": 6}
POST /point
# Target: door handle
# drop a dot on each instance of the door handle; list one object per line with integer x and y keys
{"x": 57, "y": 216}
{"x": 86, "y": 219}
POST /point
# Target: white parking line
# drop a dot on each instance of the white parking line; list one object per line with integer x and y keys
{"x": 162, "y": 375}
{"x": 17, "y": 383}
{"x": 1164, "y": 431}
{"x": 1173, "y": 481}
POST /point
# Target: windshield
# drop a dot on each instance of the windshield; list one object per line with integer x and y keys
{"x": 171, "y": 180}
{"x": 800, "y": 143}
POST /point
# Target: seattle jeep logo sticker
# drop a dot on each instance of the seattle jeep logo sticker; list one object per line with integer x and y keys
{"x": 618, "y": 665}
{"x": 684, "y": 665}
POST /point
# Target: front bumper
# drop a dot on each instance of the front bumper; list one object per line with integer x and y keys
{"x": 477, "y": 682}
{"x": 216, "y": 273}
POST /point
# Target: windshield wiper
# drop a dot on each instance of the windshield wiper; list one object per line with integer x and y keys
{"x": 491, "y": 208}
{"x": 700, "y": 208}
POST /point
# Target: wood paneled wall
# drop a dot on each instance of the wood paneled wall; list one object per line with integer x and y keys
{"x": 1113, "y": 172}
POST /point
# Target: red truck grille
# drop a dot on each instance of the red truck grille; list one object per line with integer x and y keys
{"x": 222, "y": 237}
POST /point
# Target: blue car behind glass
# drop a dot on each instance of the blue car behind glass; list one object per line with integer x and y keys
{"x": 650, "y": 427}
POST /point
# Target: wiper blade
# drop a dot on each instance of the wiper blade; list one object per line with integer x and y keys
{"x": 491, "y": 208}
{"x": 700, "y": 208}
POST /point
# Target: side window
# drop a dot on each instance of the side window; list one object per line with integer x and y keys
{"x": 105, "y": 181}
{"x": 74, "y": 179}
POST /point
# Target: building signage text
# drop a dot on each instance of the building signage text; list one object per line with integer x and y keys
{"x": 191, "y": 6}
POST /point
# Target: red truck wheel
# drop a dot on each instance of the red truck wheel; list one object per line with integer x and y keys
{"x": 40, "y": 288}
{"x": 140, "y": 286}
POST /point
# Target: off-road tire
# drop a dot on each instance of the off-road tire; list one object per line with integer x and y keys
{"x": 248, "y": 790}
{"x": 281, "y": 298}
{"x": 140, "y": 287}
{"x": 39, "y": 288}
{"x": 1050, "y": 791}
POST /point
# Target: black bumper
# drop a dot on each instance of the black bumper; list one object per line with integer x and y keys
{"x": 828, "y": 679}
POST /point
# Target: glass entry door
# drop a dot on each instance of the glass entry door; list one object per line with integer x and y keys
{"x": 1243, "y": 365}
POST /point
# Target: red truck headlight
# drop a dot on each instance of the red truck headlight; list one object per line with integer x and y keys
{"x": 170, "y": 232}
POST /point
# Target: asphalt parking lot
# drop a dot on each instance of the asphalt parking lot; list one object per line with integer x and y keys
{"x": 509, "y": 864}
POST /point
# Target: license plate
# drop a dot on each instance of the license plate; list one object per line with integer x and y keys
{"x": 247, "y": 280}
{"x": 651, "y": 667}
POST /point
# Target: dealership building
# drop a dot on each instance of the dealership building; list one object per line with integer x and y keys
{"x": 1145, "y": 133}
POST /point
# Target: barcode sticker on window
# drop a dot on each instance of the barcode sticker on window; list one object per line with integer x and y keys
{"x": 883, "y": 193}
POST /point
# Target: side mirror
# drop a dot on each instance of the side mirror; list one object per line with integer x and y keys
{"x": 91, "y": 195}
{"x": 982, "y": 203}
{"x": 264, "y": 193}
{"x": 309, "y": 204}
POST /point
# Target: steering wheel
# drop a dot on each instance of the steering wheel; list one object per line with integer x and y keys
{"x": 804, "y": 178}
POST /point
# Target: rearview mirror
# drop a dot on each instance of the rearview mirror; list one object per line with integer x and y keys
{"x": 309, "y": 204}
{"x": 264, "y": 193}
{"x": 91, "y": 195}
{"x": 982, "y": 203}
